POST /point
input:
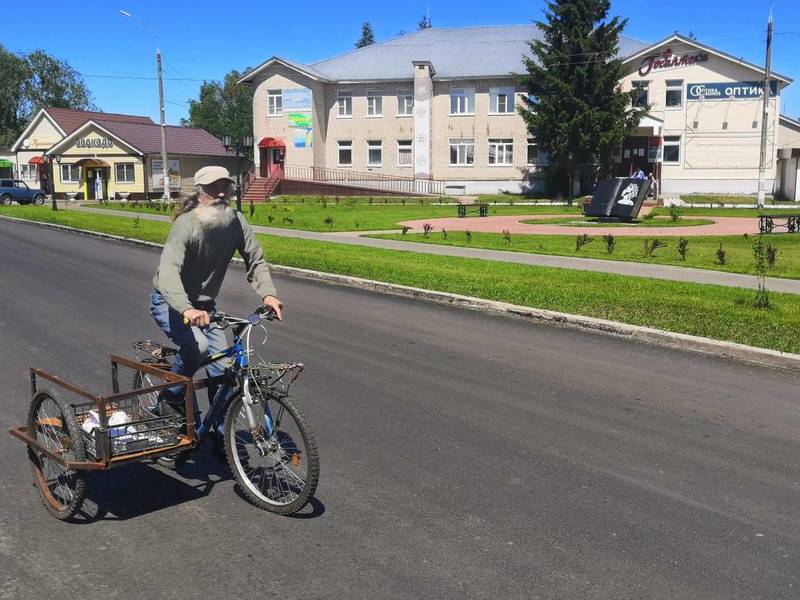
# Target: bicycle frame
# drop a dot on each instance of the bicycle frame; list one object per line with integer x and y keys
{"x": 239, "y": 351}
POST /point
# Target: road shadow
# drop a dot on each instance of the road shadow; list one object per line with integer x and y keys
{"x": 142, "y": 488}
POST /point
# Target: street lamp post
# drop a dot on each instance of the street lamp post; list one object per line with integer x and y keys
{"x": 164, "y": 163}
{"x": 58, "y": 161}
{"x": 238, "y": 146}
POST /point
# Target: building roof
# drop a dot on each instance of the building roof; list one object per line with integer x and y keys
{"x": 69, "y": 120}
{"x": 146, "y": 138}
{"x": 459, "y": 52}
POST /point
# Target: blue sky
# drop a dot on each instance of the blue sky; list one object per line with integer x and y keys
{"x": 202, "y": 40}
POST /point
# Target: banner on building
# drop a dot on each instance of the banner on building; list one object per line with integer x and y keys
{"x": 296, "y": 99}
{"x": 300, "y": 120}
{"x": 174, "y": 171}
{"x": 730, "y": 90}
{"x": 302, "y": 138}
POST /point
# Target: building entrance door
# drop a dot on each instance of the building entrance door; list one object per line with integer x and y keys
{"x": 634, "y": 156}
{"x": 96, "y": 184}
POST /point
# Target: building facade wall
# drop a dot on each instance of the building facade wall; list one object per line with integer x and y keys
{"x": 279, "y": 77}
{"x": 719, "y": 138}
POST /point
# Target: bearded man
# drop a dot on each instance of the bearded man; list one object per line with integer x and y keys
{"x": 204, "y": 236}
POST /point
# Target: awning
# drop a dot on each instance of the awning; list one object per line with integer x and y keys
{"x": 37, "y": 160}
{"x": 5, "y": 164}
{"x": 269, "y": 142}
{"x": 91, "y": 162}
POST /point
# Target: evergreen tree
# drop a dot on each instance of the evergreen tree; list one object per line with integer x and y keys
{"x": 367, "y": 35}
{"x": 575, "y": 109}
{"x": 424, "y": 23}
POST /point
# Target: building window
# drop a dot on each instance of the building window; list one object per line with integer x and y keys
{"x": 345, "y": 100}
{"x": 405, "y": 104}
{"x": 70, "y": 174}
{"x": 374, "y": 104}
{"x": 535, "y": 156}
{"x": 345, "y": 153}
{"x": 462, "y": 152}
{"x": 374, "y": 153}
{"x": 672, "y": 148}
{"x": 405, "y": 153}
{"x": 674, "y": 97}
{"x": 124, "y": 173}
{"x": 28, "y": 172}
{"x": 274, "y": 103}
{"x": 462, "y": 101}
{"x": 641, "y": 97}
{"x": 501, "y": 100}
{"x": 501, "y": 152}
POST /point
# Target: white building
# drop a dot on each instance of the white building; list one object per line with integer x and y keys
{"x": 440, "y": 105}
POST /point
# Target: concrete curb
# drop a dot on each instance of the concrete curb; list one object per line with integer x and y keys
{"x": 667, "y": 339}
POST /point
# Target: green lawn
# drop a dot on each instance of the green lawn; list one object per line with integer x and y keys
{"x": 701, "y": 249}
{"x": 727, "y": 212}
{"x": 358, "y": 216}
{"x": 595, "y": 222}
{"x": 705, "y": 310}
{"x": 725, "y": 199}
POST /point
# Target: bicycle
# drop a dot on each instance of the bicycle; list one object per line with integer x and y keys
{"x": 269, "y": 448}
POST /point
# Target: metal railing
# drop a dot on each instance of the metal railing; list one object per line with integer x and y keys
{"x": 377, "y": 181}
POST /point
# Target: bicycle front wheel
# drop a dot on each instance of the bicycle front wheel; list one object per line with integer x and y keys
{"x": 276, "y": 463}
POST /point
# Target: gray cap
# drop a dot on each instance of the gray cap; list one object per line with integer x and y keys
{"x": 211, "y": 174}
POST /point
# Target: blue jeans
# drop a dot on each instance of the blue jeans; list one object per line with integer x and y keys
{"x": 194, "y": 344}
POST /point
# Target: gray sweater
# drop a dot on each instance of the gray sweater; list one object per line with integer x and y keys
{"x": 195, "y": 259}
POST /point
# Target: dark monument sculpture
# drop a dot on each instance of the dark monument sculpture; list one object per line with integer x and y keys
{"x": 618, "y": 198}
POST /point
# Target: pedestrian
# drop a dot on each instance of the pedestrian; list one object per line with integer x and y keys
{"x": 204, "y": 236}
{"x": 638, "y": 174}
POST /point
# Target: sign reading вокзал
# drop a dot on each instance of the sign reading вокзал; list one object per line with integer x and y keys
{"x": 727, "y": 91}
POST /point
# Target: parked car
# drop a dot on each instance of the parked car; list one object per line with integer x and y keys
{"x": 16, "y": 189}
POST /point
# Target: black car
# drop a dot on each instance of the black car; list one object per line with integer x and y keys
{"x": 16, "y": 189}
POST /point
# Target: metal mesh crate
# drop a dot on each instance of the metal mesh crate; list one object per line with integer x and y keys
{"x": 131, "y": 429}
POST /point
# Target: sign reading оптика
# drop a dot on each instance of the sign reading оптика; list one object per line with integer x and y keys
{"x": 732, "y": 89}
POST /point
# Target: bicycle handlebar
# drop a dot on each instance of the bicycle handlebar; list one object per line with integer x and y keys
{"x": 266, "y": 312}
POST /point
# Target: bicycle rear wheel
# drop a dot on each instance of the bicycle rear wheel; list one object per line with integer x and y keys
{"x": 52, "y": 422}
{"x": 276, "y": 464}
{"x": 148, "y": 401}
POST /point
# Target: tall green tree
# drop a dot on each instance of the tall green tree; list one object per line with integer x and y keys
{"x": 223, "y": 108}
{"x": 367, "y": 35}
{"x": 575, "y": 108}
{"x": 29, "y": 82}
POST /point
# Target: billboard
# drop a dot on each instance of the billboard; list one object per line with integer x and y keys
{"x": 174, "y": 170}
{"x": 296, "y": 99}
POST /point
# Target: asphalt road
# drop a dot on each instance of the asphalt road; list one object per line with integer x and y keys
{"x": 463, "y": 455}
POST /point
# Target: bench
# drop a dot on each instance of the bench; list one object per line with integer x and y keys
{"x": 482, "y": 210}
{"x": 771, "y": 223}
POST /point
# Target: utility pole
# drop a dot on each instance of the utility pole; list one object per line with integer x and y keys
{"x": 762, "y": 159}
{"x": 163, "y": 127}
{"x": 164, "y": 164}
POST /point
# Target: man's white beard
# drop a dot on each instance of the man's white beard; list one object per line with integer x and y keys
{"x": 215, "y": 215}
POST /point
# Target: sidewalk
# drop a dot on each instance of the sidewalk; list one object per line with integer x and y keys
{"x": 687, "y": 274}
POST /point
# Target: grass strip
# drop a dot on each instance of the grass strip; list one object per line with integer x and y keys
{"x": 705, "y": 310}
{"x": 701, "y": 250}
{"x": 352, "y": 216}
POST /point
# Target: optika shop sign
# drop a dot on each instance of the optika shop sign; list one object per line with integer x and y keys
{"x": 94, "y": 143}
{"x": 727, "y": 91}
{"x": 668, "y": 60}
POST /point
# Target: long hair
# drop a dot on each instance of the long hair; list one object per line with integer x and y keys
{"x": 187, "y": 203}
